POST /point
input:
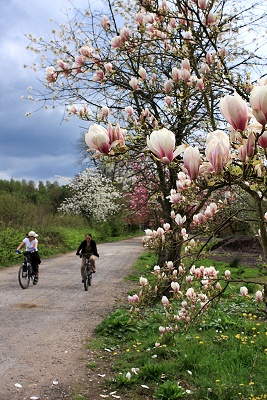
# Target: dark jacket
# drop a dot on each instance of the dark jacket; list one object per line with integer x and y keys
{"x": 82, "y": 248}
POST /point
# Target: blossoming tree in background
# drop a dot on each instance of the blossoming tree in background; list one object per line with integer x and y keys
{"x": 93, "y": 196}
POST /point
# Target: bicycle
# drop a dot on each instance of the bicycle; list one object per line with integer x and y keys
{"x": 88, "y": 272}
{"x": 25, "y": 271}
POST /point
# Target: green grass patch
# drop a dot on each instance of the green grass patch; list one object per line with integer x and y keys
{"x": 221, "y": 357}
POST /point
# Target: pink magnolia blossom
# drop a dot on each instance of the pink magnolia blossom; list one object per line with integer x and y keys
{"x": 186, "y": 64}
{"x": 108, "y": 67}
{"x": 211, "y": 19}
{"x": 143, "y": 281}
{"x": 243, "y": 291}
{"x": 168, "y": 101}
{"x": 156, "y": 270}
{"x": 202, "y": 4}
{"x": 86, "y": 51}
{"x": 162, "y": 329}
{"x": 51, "y": 74}
{"x": 190, "y": 294}
{"x": 168, "y": 86}
{"x": 180, "y": 220}
{"x": 251, "y": 144}
{"x": 72, "y": 109}
{"x": 217, "y": 150}
{"x": 176, "y": 74}
{"x": 200, "y": 84}
{"x": 258, "y": 102}
{"x": 105, "y": 23}
{"x": 263, "y": 140}
{"x": 227, "y": 274}
{"x": 258, "y": 295}
{"x": 116, "y": 42}
{"x": 162, "y": 144}
{"x": 192, "y": 161}
{"x": 242, "y": 152}
{"x": 166, "y": 227}
{"x": 98, "y": 76}
{"x": 185, "y": 75}
{"x": 134, "y": 83}
{"x": 142, "y": 73}
{"x": 97, "y": 139}
{"x": 165, "y": 301}
{"x": 129, "y": 110}
{"x": 116, "y": 135}
{"x": 170, "y": 265}
{"x": 104, "y": 112}
{"x": 235, "y": 111}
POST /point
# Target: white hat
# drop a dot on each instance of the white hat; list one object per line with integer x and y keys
{"x": 32, "y": 233}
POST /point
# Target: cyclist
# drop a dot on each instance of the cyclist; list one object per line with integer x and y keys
{"x": 31, "y": 245}
{"x": 87, "y": 247}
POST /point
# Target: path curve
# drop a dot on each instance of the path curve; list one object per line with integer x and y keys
{"x": 43, "y": 328}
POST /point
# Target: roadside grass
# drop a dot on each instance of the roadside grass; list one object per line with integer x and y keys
{"x": 222, "y": 356}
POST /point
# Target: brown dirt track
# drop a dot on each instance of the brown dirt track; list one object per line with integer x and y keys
{"x": 44, "y": 328}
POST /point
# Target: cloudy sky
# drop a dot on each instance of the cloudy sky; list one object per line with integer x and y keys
{"x": 40, "y": 147}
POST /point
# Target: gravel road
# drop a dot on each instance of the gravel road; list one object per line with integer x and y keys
{"x": 44, "y": 328}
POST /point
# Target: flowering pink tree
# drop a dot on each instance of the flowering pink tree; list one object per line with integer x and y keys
{"x": 159, "y": 67}
{"x": 153, "y": 82}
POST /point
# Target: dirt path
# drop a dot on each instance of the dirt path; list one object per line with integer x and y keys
{"x": 43, "y": 329}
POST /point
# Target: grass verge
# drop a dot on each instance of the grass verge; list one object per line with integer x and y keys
{"x": 221, "y": 357}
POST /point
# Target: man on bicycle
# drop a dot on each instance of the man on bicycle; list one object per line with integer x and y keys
{"x": 87, "y": 247}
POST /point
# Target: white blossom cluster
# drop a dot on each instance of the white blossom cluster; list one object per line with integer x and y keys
{"x": 93, "y": 196}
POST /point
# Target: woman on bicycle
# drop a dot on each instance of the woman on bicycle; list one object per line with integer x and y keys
{"x": 87, "y": 247}
{"x": 31, "y": 245}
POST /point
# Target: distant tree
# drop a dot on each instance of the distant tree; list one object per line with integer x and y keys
{"x": 93, "y": 196}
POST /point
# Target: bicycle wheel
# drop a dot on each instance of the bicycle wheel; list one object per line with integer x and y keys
{"x": 86, "y": 282}
{"x": 90, "y": 278}
{"x": 23, "y": 280}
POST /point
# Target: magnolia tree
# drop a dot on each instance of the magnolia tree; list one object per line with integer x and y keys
{"x": 160, "y": 83}
{"x": 93, "y": 196}
{"x": 144, "y": 66}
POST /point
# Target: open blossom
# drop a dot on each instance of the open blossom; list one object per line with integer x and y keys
{"x": 86, "y": 51}
{"x": 180, "y": 220}
{"x": 51, "y": 74}
{"x": 235, "y": 111}
{"x": 98, "y": 76}
{"x": 162, "y": 144}
{"x": 143, "y": 281}
{"x": 133, "y": 299}
{"x": 97, "y": 139}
